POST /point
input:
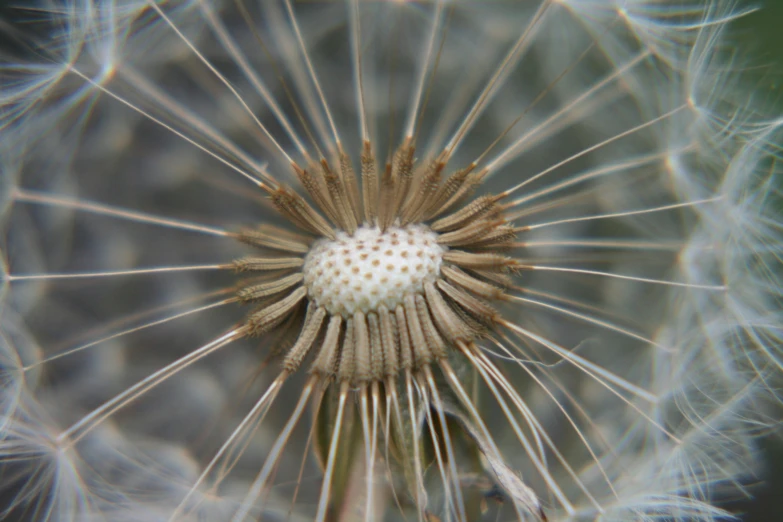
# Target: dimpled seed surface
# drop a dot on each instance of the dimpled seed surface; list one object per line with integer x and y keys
{"x": 371, "y": 268}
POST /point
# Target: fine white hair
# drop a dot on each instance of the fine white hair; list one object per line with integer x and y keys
{"x": 641, "y": 359}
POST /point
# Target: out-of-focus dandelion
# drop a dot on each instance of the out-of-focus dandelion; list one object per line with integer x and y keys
{"x": 384, "y": 261}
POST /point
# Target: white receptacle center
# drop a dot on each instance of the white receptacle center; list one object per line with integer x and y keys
{"x": 371, "y": 268}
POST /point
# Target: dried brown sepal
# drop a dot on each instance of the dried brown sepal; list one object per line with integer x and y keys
{"x": 268, "y": 317}
{"x": 435, "y": 343}
{"x": 480, "y": 329}
{"x": 402, "y": 173}
{"x": 422, "y": 354}
{"x": 389, "y": 342}
{"x": 296, "y": 209}
{"x": 449, "y": 323}
{"x": 351, "y": 185}
{"x": 363, "y": 362}
{"x": 499, "y": 238}
{"x": 481, "y": 206}
{"x": 464, "y": 190}
{"x": 325, "y": 362}
{"x": 377, "y": 358}
{"x": 480, "y": 261}
{"x": 471, "y": 234}
{"x": 263, "y": 290}
{"x": 268, "y": 236}
{"x": 346, "y": 367}
{"x": 307, "y": 337}
{"x": 426, "y": 187}
{"x": 264, "y": 264}
{"x": 387, "y": 198}
{"x": 473, "y": 285}
{"x": 283, "y": 337}
{"x": 479, "y": 309}
{"x": 339, "y": 197}
{"x": 369, "y": 183}
{"x": 446, "y": 192}
{"x": 406, "y": 350}
{"x": 502, "y": 279}
{"x": 316, "y": 188}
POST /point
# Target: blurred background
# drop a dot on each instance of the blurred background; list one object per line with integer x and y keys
{"x": 759, "y": 41}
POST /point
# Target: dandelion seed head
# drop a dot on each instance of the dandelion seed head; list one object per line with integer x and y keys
{"x": 571, "y": 312}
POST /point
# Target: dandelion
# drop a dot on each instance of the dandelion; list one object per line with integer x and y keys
{"x": 384, "y": 261}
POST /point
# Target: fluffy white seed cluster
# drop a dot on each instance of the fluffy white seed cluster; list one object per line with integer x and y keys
{"x": 643, "y": 178}
{"x": 371, "y": 268}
